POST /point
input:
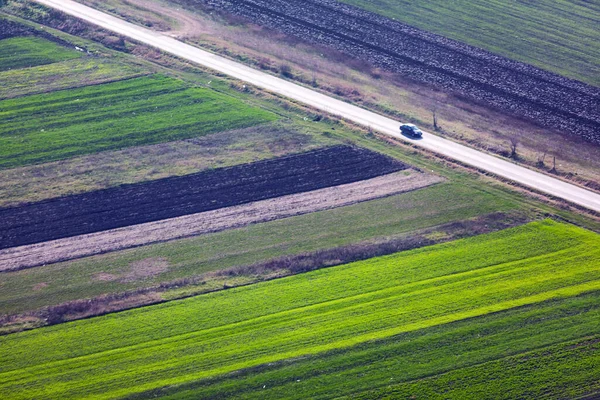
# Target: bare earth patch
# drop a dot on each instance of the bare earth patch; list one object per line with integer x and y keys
{"x": 213, "y": 221}
{"x": 146, "y": 268}
{"x": 39, "y": 286}
{"x": 104, "y": 277}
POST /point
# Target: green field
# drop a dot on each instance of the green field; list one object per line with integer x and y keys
{"x": 333, "y": 309}
{"x": 64, "y": 75}
{"x": 22, "y": 52}
{"x": 63, "y": 124}
{"x": 414, "y": 365}
{"x": 403, "y": 214}
{"x": 161, "y": 160}
{"x": 566, "y": 370}
{"x": 557, "y": 35}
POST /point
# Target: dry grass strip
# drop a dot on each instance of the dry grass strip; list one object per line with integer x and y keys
{"x": 212, "y": 221}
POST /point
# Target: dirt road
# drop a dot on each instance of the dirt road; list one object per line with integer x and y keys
{"x": 497, "y": 166}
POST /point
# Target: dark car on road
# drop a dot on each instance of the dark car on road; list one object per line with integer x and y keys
{"x": 411, "y": 130}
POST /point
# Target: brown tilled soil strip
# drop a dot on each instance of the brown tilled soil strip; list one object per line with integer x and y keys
{"x": 212, "y": 221}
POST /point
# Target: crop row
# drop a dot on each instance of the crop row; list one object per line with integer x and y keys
{"x": 29, "y": 51}
{"x": 64, "y": 75}
{"x": 63, "y": 124}
{"x": 555, "y": 35}
{"x": 395, "y": 367}
{"x": 176, "y": 196}
{"x": 563, "y": 371}
{"x": 554, "y": 101}
{"x": 325, "y": 310}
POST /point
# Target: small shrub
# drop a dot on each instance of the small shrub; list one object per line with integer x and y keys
{"x": 286, "y": 70}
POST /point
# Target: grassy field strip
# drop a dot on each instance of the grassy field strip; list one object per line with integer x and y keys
{"x": 20, "y": 52}
{"x": 143, "y": 163}
{"x": 64, "y": 75}
{"x": 397, "y": 215}
{"x": 567, "y": 370}
{"x": 146, "y": 110}
{"x": 522, "y": 250}
{"x": 560, "y": 36}
{"x": 407, "y": 356}
{"x": 212, "y": 221}
{"x": 227, "y": 345}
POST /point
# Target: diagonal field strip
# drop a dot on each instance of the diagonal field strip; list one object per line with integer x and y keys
{"x": 116, "y": 115}
{"x": 27, "y": 52}
{"x": 189, "y": 194}
{"x": 412, "y": 356}
{"x": 336, "y": 308}
{"x": 212, "y": 221}
{"x": 505, "y": 169}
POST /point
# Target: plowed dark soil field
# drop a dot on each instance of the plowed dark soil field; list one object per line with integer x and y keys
{"x": 172, "y": 197}
{"x": 520, "y": 89}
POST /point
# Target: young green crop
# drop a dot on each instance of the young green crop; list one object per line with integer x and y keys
{"x": 401, "y": 361}
{"x": 564, "y": 371}
{"x": 64, "y": 75}
{"x": 132, "y": 112}
{"x": 557, "y": 35}
{"x": 23, "y": 52}
{"x": 329, "y": 309}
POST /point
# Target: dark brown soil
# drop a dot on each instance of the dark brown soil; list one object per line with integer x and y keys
{"x": 177, "y": 196}
{"x": 53, "y": 251}
{"x": 522, "y": 90}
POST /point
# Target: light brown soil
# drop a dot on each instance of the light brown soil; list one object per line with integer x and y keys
{"x": 104, "y": 277}
{"x": 146, "y": 268}
{"x": 39, "y": 286}
{"x": 212, "y": 221}
{"x": 187, "y": 24}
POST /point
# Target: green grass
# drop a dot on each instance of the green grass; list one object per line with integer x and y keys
{"x": 557, "y": 35}
{"x": 63, "y": 124}
{"x": 145, "y": 163}
{"x": 325, "y": 310}
{"x": 64, "y": 75}
{"x": 389, "y": 366}
{"x": 34, "y": 288}
{"x": 567, "y": 370}
{"x": 22, "y": 52}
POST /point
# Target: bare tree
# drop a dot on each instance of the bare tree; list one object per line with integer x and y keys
{"x": 541, "y": 159}
{"x": 553, "y": 170}
{"x": 436, "y": 127}
{"x": 514, "y": 143}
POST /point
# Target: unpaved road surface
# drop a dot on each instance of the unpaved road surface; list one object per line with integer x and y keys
{"x": 497, "y": 166}
{"x": 213, "y": 221}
